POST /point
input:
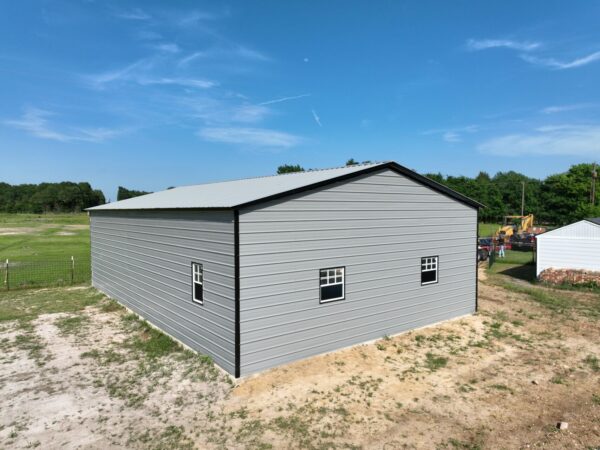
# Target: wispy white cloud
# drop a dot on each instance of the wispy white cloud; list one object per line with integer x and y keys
{"x": 249, "y": 113}
{"x": 484, "y": 44}
{"x": 316, "y": 117}
{"x": 284, "y": 99}
{"x": 168, "y": 48}
{"x": 148, "y": 35}
{"x": 452, "y": 135}
{"x": 574, "y": 140}
{"x": 186, "y": 82}
{"x": 192, "y": 18}
{"x": 232, "y": 52}
{"x": 35, "y": 122}
{"x": 140, "y": 72}
{"x": 563, "y": 108}
{"x": 133, "y": 14}
{"x": 125, "y": 73}
{"x": 256, "y": 137}
{"x": 528, "y": 49}
{"x": 561, "y": 65}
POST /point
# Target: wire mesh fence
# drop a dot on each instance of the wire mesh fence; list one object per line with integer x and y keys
{"x": 60, "y": 271}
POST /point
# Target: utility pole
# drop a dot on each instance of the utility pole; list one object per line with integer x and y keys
{"x": 522, "y": 198}
{"x": 593, "y": 193}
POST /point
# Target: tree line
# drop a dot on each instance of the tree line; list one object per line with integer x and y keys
{"x": 558, "y": 199}
{"x": 49, "y": 197}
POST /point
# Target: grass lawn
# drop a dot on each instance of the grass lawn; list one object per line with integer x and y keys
{"x": 39, "y": 248}
{"x": 515, "y": 257}
{"x": 488, "y": 229}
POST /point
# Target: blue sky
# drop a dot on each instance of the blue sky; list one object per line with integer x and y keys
{"x": 153, "y": 94}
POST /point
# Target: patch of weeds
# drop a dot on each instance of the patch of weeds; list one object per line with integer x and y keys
{"x": 466, "y": 388}
{"x": 241, "y": 413}
{"x": 30, "y": 342}
{"x": 501, "y": 316}
{"x": 171, "y": 437}
{"x": 434, "y": 362}
{"x": 502, "y": 387}
{"x": 293, "y": 425}
{"x": 251, "y": 431}
{"x": 200, "y": 368}
{"x": 106, "y": 357}
{"x": 596, "y": 399}
{"x": 558, "y": 379}
{"x": 458, "y": 444}
{"x": 593, "y": 362}
{"x": 110, "y": 306}
{"x": 497, "y": 331}
{"x": 151, "y": 342}
{"x": 380, "y": 346}
{"x": 72, "y": 325}
{"x": 517, "y": 323}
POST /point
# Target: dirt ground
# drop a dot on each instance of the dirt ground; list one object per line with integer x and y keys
{"x": 500, "y": 379}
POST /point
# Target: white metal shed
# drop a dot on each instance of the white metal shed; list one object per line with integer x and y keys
{"x": 574, "y": 246}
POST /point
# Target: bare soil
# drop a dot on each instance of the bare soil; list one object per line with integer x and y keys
{"x": 500, "y": 379}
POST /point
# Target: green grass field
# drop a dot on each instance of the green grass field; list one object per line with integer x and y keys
{"x": 487, "y": 229}
{"x": 39, "y": 248}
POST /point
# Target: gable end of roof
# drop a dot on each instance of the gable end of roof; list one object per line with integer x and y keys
{"x": 375, "y": 168}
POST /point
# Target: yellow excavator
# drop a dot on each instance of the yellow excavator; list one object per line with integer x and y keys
{"x": 511, "y": 226}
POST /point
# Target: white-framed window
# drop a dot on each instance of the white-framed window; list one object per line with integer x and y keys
{"x": 197, "y": 283}
{"x": 331, "y": 284}
{"x": 429, "y": 270}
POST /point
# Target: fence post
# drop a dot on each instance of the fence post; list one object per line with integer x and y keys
{"x": 6, "y": 279}
{"x": 72, "y": 269}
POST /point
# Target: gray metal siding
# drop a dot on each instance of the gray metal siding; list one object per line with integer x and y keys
{"x": 143, "y": 259}
{"x": 378, "y": 226}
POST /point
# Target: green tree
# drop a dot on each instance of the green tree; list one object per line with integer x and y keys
{"x": 124, "y": 193}
{"x": 289, "y": 168}
{"x": 566, "y": 196}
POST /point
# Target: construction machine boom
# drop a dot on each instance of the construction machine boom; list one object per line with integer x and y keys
{"x": 508, "y": 229}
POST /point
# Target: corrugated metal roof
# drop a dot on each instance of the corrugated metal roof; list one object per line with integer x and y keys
{"x": 237, "y": 193}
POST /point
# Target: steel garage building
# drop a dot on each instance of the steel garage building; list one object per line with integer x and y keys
{"x": 264, "y": 271}
{"x": 575, "y": 246}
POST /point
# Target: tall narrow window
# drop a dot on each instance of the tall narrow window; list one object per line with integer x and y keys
{"x": 197, "y": 283}
{"x": 429, "y": 270}
{"x": 332, "y": 284}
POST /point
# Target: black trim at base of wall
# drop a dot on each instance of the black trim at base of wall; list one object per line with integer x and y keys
{"x": 477, "y": 263}
{"x": 236, "y": 240}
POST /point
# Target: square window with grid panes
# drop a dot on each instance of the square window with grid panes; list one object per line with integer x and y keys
{"x": 429, "y": 270}
{"x": 332, "y": 284}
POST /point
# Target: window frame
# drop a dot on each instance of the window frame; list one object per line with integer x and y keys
{"x": 343, "y": 283}
{"x": 437, "y": 269}
{"x": 194, "y": 282}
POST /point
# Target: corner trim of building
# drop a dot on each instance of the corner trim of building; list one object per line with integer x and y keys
{"x": 477, "y": 262}
{"x": 236, "y": 237}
